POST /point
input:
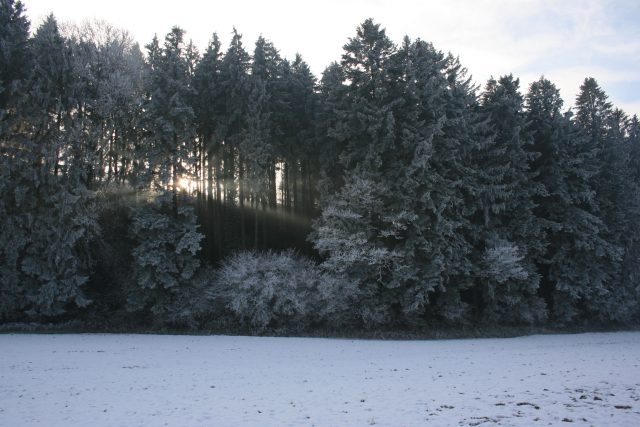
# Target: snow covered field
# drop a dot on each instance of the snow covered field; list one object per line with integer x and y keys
{"x": 156, "y": 380}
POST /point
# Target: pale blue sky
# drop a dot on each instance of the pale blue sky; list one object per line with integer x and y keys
{"x": 566, "y": 40}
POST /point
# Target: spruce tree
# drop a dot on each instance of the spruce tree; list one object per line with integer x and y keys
{"x": 164, "y": 257}
{"x": 14, "y": 55}
{"x": 208, "y": 109}
{"x": 576, "y": 267}
{"x": 365, "y": 125}
{"x": 234, "y": 83}
{"x": 424, "y": 185}
{"x": 303, "y": 149}
{"x": 328, "y": 122}
{"x": 48, "y": 216}
{"x": 603, "y": 128}
{"x": 169, "y": 118}
{"x": 511, "y": 237}
{"x": 164, "y": 227}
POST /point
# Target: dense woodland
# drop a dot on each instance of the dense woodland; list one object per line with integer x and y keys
{"x": 231, "y": 188}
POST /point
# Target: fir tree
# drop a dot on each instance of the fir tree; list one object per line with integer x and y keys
{"x": 169, "y": 118}
{"x": 574, "y": 267}
{"x": 164, "y": 257}
{"x": 234, "y": 83}
{"x": 208, "y": 109}
{"x": 364, "y": 123}
{"x": 14, "y": 55}
{"x": 48, "y": 215}
{"x": 511, "y": 236}
{"x": 604, "y": 131}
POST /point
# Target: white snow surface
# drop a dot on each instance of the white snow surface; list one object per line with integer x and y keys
{"x": 157, "y": 380}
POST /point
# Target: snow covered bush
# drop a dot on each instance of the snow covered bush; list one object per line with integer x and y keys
{"x": 280, "y": 290}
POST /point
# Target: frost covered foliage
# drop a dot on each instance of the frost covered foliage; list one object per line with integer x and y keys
{"x": 266, "y": 290}
{"x": 190, "y": 304}
{"x": 45, "y": 233}
{"x": 505, "y": 282}
{"x": 427, "y": 200}
{"x": 351, "y": 233}
{"x": 167, "y": 241}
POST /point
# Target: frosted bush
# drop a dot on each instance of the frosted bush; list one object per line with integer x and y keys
{"x": 280, "y": 290}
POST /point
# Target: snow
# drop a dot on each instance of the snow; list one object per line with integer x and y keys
{"x": 156, "y": 380}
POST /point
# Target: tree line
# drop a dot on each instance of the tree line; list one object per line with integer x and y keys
{"x": 231, "y": 188}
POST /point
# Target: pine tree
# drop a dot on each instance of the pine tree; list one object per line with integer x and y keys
{"x": 48, "y": 215}
{"x": 328, "y": 121}
{"x": 301, "y": 193}
{"x": 604, "y": 131}
{"x": 425, "y": 186}
{"x": 50, "y": 96}
{"x": 577, "y": 264}
{"x": 15, "y": 147}
{"x": 208, "y": 109}
{"x": 164, "y": 257}
{"x": 630, "y": 268}
{"x": 256, "y": 148}
{"x": 511, "y": 237}
{"x": 368, "y": 120}
{"x": 440, "y": 127}
{"x": 14, "y": 56}
{"x": 364, "y": 123}
{"x": 164, "y": 229}
{"x": 169, "y": 118}
{"x": 257, "y": 151}
{"x": 234, "y": 82}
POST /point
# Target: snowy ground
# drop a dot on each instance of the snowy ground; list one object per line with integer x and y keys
{"x": 151, "y": 380}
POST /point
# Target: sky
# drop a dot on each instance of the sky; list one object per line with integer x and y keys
{"x": 564, "y": 40}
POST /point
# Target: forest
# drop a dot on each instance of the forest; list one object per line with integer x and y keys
{"x": 231, "y": 189}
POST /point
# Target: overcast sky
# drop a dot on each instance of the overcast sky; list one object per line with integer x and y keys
{"x": 566, "y": 40}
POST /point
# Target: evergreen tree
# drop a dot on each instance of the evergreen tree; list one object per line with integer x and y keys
{"x": 257, "y": 156}
{"x": 576, "y": 267}
{"x": 300, "y": 184}
{"x": 604, "y": 131}
{"x": 328, "y": 121}
{"x": 208, "y": 109}
{"x": 449, "y": 127}
{"x": 234, "y": 82}
{"x": 511, "y": 237}
{"x": 47, "y": 232}
{"x": 633, "y": 144}
{"x": 169, "y": 118}
{"x": 365, "y": 125}
{"x": 425, "y": 185}
{"x": 630, "y": 268}
{"x": 257, "y": 150}
{"x": 164, "y": 257}
{"x": 165, "y": 229}
{"x": 432, "y": 203}
{"x": 50, "y": 96}
{"x": 48, "y": 216}
{"x": 14, "y": 56}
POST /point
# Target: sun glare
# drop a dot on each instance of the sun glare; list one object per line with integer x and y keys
{"x": 186, "y": 184}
